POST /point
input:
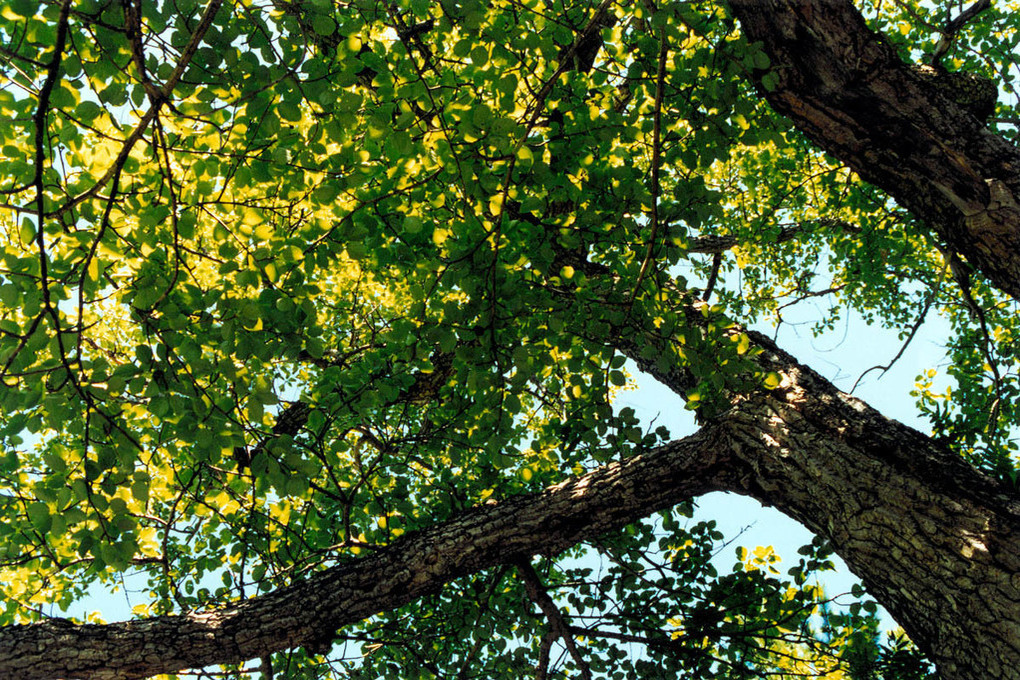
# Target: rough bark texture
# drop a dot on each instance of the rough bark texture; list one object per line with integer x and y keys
{"x": 310, "y": 612}
{"x": 845, "y": 87}
{"x": 932, "y": 539}
{"x": 936, "y": 542}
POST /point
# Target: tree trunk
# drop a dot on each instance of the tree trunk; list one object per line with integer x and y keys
{"x": 936, "y": 542}
{"x": 933, "y": 540}
{"x": 845, "y": 87}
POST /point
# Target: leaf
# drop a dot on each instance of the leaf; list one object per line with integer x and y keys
{"x": 88, "y": 111}
{"x": 39, "y": 515}
{"x": 323, "y": 25}
{"x": 743, "y": 343}
{"x": 479, "y": 56}
{"x": 412, "y": 224}
{"x": 27, "y": 232}
{"x": 289, "y": 111}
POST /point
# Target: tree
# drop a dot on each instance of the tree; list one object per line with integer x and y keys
{"x": 313, "y": 317}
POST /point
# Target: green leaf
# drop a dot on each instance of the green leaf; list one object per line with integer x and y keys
{"x": 412, "y": 224}
{"x": 323, "y": 25}
{"x": 39, "y": 515}
{"x": 27, "y": 232}
{"x": 88, "y": 111}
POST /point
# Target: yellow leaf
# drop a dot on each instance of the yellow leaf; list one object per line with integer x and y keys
{"x": 743, "y": 342}
{"x": 496, "y": 204}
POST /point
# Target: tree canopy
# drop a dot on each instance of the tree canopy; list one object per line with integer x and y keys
{"x": 314, "y": 317}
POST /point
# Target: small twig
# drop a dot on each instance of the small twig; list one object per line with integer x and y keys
{"x": 953, "y": 27}
{"x": 986, "y": 351}
{"x": 808, "y": 294}
{"x": 660, "y": 78}
{"x": 713, "y": 277}
{"x": 961, "y": 271}
{"x": 558, "y": 627}
{"x": 913, "y": 331}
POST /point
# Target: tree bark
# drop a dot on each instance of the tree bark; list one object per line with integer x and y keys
{"x": 935, "y": 541}
{"x": 845, "y": 87}
{"x": 932, "y": 539}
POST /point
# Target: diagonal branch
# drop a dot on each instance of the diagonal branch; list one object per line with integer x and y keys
{"x": 712, "y": 245}
{"x": 558, "y": 627}
{"x": 308, "y": 613}
{"x": 878, "y": 490}
{"x": 660, "y": 82}
{"x": 159, "y": 97}
{"x": 41, "y": 113}
{"x": 921, "y": 317}
{"x": 954, "y": 26}
{"x": 914, "y": 136}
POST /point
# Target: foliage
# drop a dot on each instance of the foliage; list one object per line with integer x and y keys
{"x": 283, "y": 281}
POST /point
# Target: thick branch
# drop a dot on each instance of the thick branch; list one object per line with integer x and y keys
{"x": 935, "y": 541}
{"x": 558, "y": 627}
{"x": 309, "y": 613}
{"x": 901, "y": 129}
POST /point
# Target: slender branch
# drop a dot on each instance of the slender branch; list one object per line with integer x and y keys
{"x": 953, "y": 28}
{"x": 566, "y": 64}
{"x": 162, "y": 97}
{"x": 544, "y": 649}
{"x": 133, "y": 32}
{"x": 480, "y": 640}
{"x": 713, "y": 276}
{"x": 961, "y": 273}
{"x": 41, "y": 113}
{"x": 558, "y": 627}
{"x": 660, "y": 83}
{"x": 710, "y": 245}
{"x": 913, "y": 331}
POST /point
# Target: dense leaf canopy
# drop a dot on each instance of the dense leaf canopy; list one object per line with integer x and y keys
{"x": 283, "y": 281}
